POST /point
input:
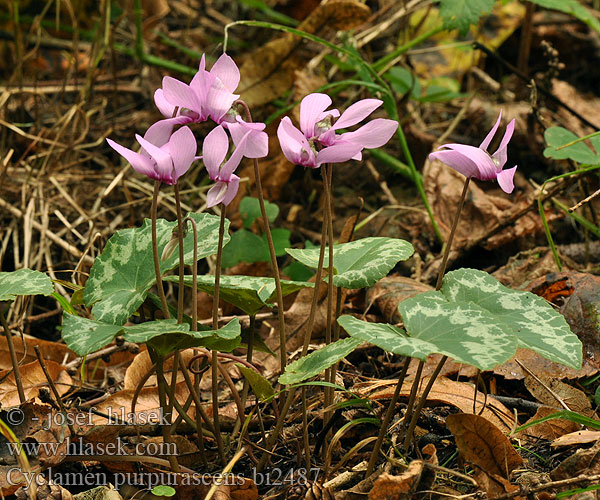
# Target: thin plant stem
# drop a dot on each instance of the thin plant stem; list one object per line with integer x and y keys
{"x": 162, "y": 397}
{"x": 13, "y": 357}
{"x": 274, "y": 266}
{"x": 328, "y": 200}
{"x": 215, "y": 325}
{"x": 387, "y": 419}
{"x": 305, "y": 439}
{"x": 249, "y": 353}
{"x": 181, "y": 255}
{"x": 423, "y": 399}
{"x": 159, "y": 286}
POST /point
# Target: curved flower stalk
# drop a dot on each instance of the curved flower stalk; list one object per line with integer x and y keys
{"x": 164, "y": 156}
{"x": 477, "y": 162}
{"x": 209, "y": 94}
{"x": 317, "y": 143}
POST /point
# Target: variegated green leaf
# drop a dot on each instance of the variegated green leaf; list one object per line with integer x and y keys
{"x": 249, "y": 293}
{"x": 318, "y": 361}
{"x": 122, "y": 275}
{"x": 534, "y": 322}
{"x": 85, "y": 336}
{"x": 24, "y": 282}
{"x": 360, "y": 263}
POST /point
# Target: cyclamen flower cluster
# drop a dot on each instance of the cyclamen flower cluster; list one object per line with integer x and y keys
{"x": 166, "y": 155}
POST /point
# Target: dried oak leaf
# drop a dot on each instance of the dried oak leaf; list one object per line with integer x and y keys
{"x": 574, "y": 398}
{"x": 550, "y": 429}
{"x": 33, "y": 379}
{"x": 483, "y": 444}
{"x": 269, "y": 71}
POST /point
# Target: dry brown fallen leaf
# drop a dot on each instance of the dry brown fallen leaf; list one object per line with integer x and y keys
{"x": 270, "y": 70}
{"x": 494, "y": 485}
{"x": 483, "y": 444}
{"x": 417, "y": 477}
{"x": 550, "y": 429}
{"x": 449, "y": 392}
{"x": 388, "y": 292}
{"x": 574, "y": 398}
{"x": 33, "y": 379}
{"x": 577, "y": 437}
{"x": 584, "y": 461}
{"x": 52, "y": 351}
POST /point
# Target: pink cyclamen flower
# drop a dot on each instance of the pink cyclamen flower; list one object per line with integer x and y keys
{"x": 209, "y": 94}
{"x": 316, "y": 142}
{"x": 214, "y": 149}
{"x": 164, "y": 156}
{"x": 477, "y": 162}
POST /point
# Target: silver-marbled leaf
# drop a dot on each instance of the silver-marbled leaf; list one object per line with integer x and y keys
{"x": 122, "y": 275}
{"x": 24, "y": 282}
{"x": 360, "y": 263}
{"x": 318, "y": 361}
{"x": 249, "y": 293}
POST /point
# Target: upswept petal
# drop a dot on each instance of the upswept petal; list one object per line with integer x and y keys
{"x": 201, "y": 84}
{"x": 234, "y": 160}
{"x": 311, "y": 108}
{"x": 459, "y": 162}
{"x": 227, "y": 71}
{"x": 232, "y": 189}
{"x": 180, "y": 94}
{"x": 488, "y": 138}
{"x": 293, "y": 142}
{"x": 140, "y": 163}
{"x": 219, "y": 101}
{"x": 357, "y": 112}
{"x": 182, "y": 146}
{"x": 164, "y": 106}
{"x": 486, "y": 168}
{"x": 373, "y": 134}
{"x": 216, "y": 194}
{"x": 505, "y": 179}
{"x": 160, "y": 132}
{"x": 500, "y": 153}
{"x": 338, "y": 153}
{"x": 163, "y": 162}
{"x": 257, "y": 145}
{"x": 214, "y": 150}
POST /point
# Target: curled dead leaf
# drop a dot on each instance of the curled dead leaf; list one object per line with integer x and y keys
{"x": 483, "y": 444}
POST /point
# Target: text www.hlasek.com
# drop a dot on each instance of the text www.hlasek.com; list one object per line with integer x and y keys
{"x": 78, "y": 447}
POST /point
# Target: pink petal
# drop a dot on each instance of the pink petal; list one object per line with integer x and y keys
{"x": 293, "y": 143}
{"x": 214, "y": 150}
{"x": 311, "y": 108}
{"x": 459, "y": 162}
{"x": 216, "y": 194}
{"x": 164, "y": 106}
{"x": 182, "y": 147}
{"x": 180, "y": 94}
{"x": 219, "y": 101}
{"x": 227, "y": 71}
{"x": 232, "y": 189}
{"x": 160, "y": 132}
{"x": 500, "y": 154}
{"x": 233, "y": 162}
{"x": 486, "y": 168}
{"x": 488, "y": 138}
{"x": 338, "y": 153}
{"x": 257, "y": 145}
{"x": 140, "y": 163}
{"x": 505, "y": 179}
{"x": 373, "y": 134}
{"x": 357, "y": 113}
{"x": 164, "y": 163}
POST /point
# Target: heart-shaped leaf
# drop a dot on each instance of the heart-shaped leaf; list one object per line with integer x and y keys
{"x": 260, "y": 385}
{"x": 534, "y": 322}
{"x": 465, "y": 332}
{"x": 85, "y": 336}
{"x": 122, "y": 275}
{"x": 24, "y": 282}
{"x": 249, "y": 293}
{"x": 318, "y": 361}
{"x": 557, "y": 137}
{"x": 360, "y": 263}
